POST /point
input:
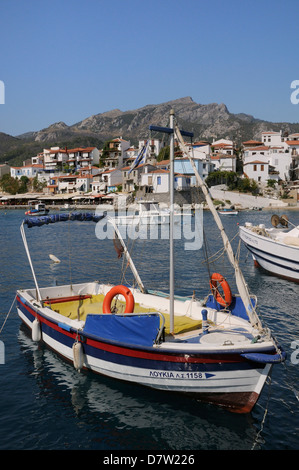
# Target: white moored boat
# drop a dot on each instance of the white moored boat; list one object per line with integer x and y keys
{"x": 274, "y": 249}
{"x": 149, "y": 213}
{"x": 37, "y": 209}
{"x": 215, "y": 349}
{"x": 228, "y": 211}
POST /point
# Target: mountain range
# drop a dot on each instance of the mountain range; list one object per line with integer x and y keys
{"x": 206, "y": 121}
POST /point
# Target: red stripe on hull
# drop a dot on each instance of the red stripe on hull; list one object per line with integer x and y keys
{"x": 158, "y": 355}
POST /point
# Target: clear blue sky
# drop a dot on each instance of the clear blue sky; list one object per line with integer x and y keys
{"x": 65, "y": 60}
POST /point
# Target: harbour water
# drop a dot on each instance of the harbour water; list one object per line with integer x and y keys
{"x": 47, "y": 405}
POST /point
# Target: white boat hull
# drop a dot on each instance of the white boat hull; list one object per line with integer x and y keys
{"x": 228, "y": 212}
{"x": 202, "y": 368}
{"x": 275, "y": 257}
{"x": 149, "y": 219}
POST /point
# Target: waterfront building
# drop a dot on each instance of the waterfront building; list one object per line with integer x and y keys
{"x": 257, "y": 170}
{"x": 106, "y": 182}
{"x": 116, "y": 153}
{"x": 31, "y": 171}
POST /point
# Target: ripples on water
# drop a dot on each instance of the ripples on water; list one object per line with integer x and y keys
{"x": 46, "y": 404}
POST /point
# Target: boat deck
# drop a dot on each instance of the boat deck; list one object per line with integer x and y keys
{"x": 78, "y": 307}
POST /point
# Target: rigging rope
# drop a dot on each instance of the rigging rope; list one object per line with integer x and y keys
{"x": 7, "y": 315}
{"x": 265, "y": 413}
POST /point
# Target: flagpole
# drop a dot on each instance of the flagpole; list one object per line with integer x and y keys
{"x": 171, "y": 241}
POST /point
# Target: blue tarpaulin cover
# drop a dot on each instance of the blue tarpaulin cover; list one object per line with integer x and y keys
{"x": 51, "y": 219}
{"x": 236, "y": 307}
{"x": 138, "y": 330}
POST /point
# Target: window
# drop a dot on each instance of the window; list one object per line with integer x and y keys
{"x": 159, "y": 180}
{"x": 262, "y": 167}
{"x": 254, "y": 167}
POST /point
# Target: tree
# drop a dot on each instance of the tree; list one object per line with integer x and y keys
{"x": 23, "y": 183}
{"x": 164, "y": 154}
{"x": 9, "y": 184}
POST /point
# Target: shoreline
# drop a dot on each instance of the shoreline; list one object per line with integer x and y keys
{"x": 61, "y": 207}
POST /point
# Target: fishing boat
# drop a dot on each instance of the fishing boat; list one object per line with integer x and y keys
{"x": 227, "y": 211}
{"x": 149, "y": 213}
{"x": 36, "y": 209}
{"x": 275, "y": 249}
{"x": 215, "y": 350}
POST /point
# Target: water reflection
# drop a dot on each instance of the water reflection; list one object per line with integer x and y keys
{"x": 111, "y": 410}
{"x": 48, "y": 405}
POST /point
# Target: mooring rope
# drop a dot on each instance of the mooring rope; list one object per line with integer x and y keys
{"x": 7, "y": 315}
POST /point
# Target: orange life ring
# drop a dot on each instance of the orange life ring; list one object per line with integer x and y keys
{"x": 216, "y": 281}
{"x": 116, "y": 290}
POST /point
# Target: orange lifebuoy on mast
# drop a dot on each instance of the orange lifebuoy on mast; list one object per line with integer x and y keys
{"x": 119, "y": 290}
{"x": 216, "y": 281}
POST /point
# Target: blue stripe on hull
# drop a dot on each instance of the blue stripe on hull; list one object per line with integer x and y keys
{"x": 278, "y": 259}
{"x": 168, "y": 365}
{"x": 132, "y": 357}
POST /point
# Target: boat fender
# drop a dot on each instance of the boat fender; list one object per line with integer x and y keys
{"x": 216, "y": 281}
{"x": 265, "y": 358}
{"x": 119, "y": 290}
{"x": 78, "y": 357}
{"x": 36, "y": 331}
{"x": 205, "y": 325}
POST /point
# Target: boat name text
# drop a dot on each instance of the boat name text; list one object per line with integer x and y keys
{"x": 176, "y": 375}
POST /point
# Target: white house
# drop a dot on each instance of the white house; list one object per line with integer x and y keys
{"x": 223, "y": 146}
{"x": 106, "y": 182}
{"x": 198, "y": 150}
{"x": 271, "y": 138}
{"x": 54, "y": 158}
{"x": 293, "y": 147}
{"x": 84, "y": 183}
{"x": 278, "y": 157}
{"x": 31, "y": 171}
{"x": 157, "y": 180}
{"x": 181, "y": 182}
{"x": 116, "y": 156}
{"x": 38, "y": 159}
{"x": 66, "y": 184}
{"x": 183, "y": 166}
{"x": 154, "y": 146}
{"x": 83, "y": 157}
{"x": 257, "y": 170}
{"x": 132, "y": 178}
{"x": 224, "y": 162}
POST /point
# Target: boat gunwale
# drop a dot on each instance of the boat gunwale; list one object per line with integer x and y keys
{"x": 182, "y": 348}
{"x": 268, "y": 239}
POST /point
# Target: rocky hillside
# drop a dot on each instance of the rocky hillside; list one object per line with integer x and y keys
{"x": 207, "y": 121}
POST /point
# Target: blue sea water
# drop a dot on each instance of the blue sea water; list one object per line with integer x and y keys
{"x": 47, "y": 405}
